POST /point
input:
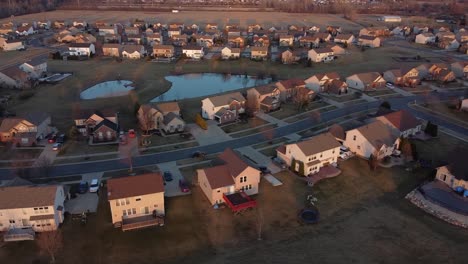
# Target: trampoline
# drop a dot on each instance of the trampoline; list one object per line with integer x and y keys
{"x": 309, "y": 215}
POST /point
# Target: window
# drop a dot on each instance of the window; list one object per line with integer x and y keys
{"x": 1, "y": 224}
{"x": 12, "y": 221}
{"x": 138, "y": 199}
{"x": 46, "y": 209}
{"x": 241, "y": 179}
{"x": 354, "y": 137}
{"x": 117, "y": 203}
{"x": 333, "y": 151}
{"x": 129, "y": 211}
{"x": 127, "y": 201}
{"x": 358, "y": 147}
{"x": 155, "y": 206}
{"x": 445, "y": 177}
{"x": 321, "y": 155}
{"x": 219, "y": 190}
{"x": 134, "y": 211}
{"x": 124, "y": 212}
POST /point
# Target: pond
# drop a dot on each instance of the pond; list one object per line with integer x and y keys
{"x": 204, "y": 84}
{"x": 107, "y": 89}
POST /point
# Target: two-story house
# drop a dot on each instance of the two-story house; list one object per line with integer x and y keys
{"x": 403, "y": 122}
{"x": 136, "y": 201}
{"x": 288, "y": 88}
{"x": 345, "y": 38}
{"x": 165, "y": 116}
{"x": 455, "y": 173}
{"x": 369, "y": 41}
{"x": 14, "y": 77}
{"x": 82, "y": 49}
{"x": 425, "y": 38}
{"x": 37, "y": 208}
{"x": 164, "y": 51}
{"x": 286, "y": 40}
{"x": 98, "y": 126}
{"x": 405, "y": 76}
{"x": 265, "y": 97}
{"x": 321, "y": 55}
{"x": 309, "y": 42}
{"x": 133, "y": 51}
{"x": 193, "y": 52}
{"x": 223, "y": 108}
{"x": 25, "y": 131}
{"x": 366, "y": 81}
{"x": 308, "y": 156}
{"x": 111, "y": 49}
{"x": 35, "y": 67}
{"x": 230, "y": 53}
{"x": 317, "y": 82}
{"x": 232, "y": 176}
{"x": 259, "y": 53}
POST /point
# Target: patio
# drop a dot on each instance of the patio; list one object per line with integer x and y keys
{"x": 324, "y": 173}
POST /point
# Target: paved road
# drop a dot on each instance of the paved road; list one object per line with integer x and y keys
{"x": 151, "y": 159}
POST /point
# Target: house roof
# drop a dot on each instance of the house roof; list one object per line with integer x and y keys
{"x": 337, "y": 131}
{"x": 132, "y": 48}
{"x": 343, "y": 36}
{"x": 377, "y": 134}
{"x": 163, "y": 47}
{"x": 265, "y": 89}
{"x": 106, "y": 122}
{"x": 192, "y": 48}
{"x": 366, "y": 37}
{"x": 323, "y": 50}
{"x": 329, "y": 75}
{"x": 41, "y": 217}
{"x": 9, "y": 41}
{"x": 260, "y": 48}
{"x": 79, "y": 45}
{"x": 321, "y": 35}
{"x": 335, "y": 85}
{"x": 9, "y": 123}
{"x": 292, "y": 83}
{"x": 218, "y": 176}
{"x": 111, "y": 46}
{"x": 15, "y": 73}
{"x": 137, "y": 185}
{"x": 36, "y": 118}
{"x": 233, "y": 162}
{"x": 168, "y": 107}
{"x": 368, "y": 77}
{"x": 27, "y": 196}
{"x": 226, "y": 99}
{"x": 170, "y": 117}
{"x": 317, "y": 144}
{"x": 402, "y": 120}
{"x": 268, "y": 100}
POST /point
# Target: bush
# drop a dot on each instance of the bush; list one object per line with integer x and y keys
{"x": 201, "y": 122}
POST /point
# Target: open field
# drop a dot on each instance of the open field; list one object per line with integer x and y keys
{"x": 364, "y": 219}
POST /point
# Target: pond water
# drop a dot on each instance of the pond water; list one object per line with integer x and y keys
{"x": 205, "y": 84}
{"x": 107, "y": 89}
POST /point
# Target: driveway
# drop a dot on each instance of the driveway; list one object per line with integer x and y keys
{"x": 258, "y": 159}
{"x": 171, "y": 188}
{"x": 86, "y": 202}
{"x": 47, "y": 156}
{"x": 214, "y": 134}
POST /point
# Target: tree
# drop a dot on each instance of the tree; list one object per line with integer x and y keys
{"x": 301, "y": 98}
{"x": 301, "y": 168}
{"x": 136, "y": 107}
{"x": 309, "y": 63}
{"x": 251, "y": 105}
{"x": 431, "y": 129}
{"x": 201, "y": 122}
{"x": 406, "y": 148}
{"x": 373, "y": 161}
{"x": 50, "y": 242}
{"x": 147, "y": 120}
{"x": 386, "y": 105}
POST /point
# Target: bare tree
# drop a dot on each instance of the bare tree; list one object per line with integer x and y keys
{"x": 251, "y": 105}
{"x": 259, "y": 221}
{"x": 50, "y": 242}
{"x": 301, "y": 98}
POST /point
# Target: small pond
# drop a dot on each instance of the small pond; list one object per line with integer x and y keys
{"x": 205, "y": 84}
{"x": 107, "y": 89}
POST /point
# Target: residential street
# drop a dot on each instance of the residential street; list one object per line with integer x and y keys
{"x": 396, "y": 103}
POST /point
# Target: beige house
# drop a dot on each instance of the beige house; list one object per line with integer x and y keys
{"x": 111, "y": 50}
{"x": 345, "y": 38}
{"x": 455, "y": 173}
{"x": 205, "y": 41}
{"x": 375, "y": 139}
{"x": 323, "y": 36}
{"x": 40, "y": 208}
{"x": 286, "y": 40}
{"x": 308, "y": 156}
{"x": 369, "y": 41}
{"x": 403, "y": 122}
{"x": 375, "y": 31}
{"x": 264, "y": 97}
{"x": 309, "y": 42}
{"x": 321, "y": 55}
{"x": 405, "y": 76}
{"x": 165, "y": 116}
{"x": 136, "y": 201}
{"x": 317, "y": 82}
{"x": 133, "y": 51}
{"x": 230, "y": 53}
{"x": 236, "y": 42}
{"x": 425, "y": 38}
{"x": 165, "y": 51}
{"x": 27, "y": 130}
{"x": 10, "y": 45}
{"x": 288, "y": 88}
{"x": 14, "y": 77}
{"x": 293, "y": 56}
{"x": 366, "y": 81}
{"x": 460, "y": 69}
{"x": 35, "y": 67}
{"x": 232, "y": 176}
{"x": 223, "y": 108}
{"x": 259, "y": 53}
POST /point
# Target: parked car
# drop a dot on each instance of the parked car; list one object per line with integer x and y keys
{"x": 264, "y": 169}
{"x": 344, "y": 155}
{"x": 94, "y": 186}
{"x": 198, "y": 154}
{"x": 131, "y": 133}
{"x": 343, "y": 148}
{"x": 183, "y": 186}
{"x": 56, "y": 146}
{"x": 167, "y": 176}
{"x": 52, "y": 139}
{"x": 390, "y": 85}
{"x": 83, "y": 187}
{"x": 60, "y": 138}
{"x": 279, "y": 162}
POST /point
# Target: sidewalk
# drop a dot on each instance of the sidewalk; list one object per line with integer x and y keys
{"x": 368, "y": 98}
{"x": 271, "y": 119}
{"x": 332, "y": 102}
{"x": 258, "y": 158}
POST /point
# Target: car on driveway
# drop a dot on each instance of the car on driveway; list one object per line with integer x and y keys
{"x": 83, "y": 187}
{"x": 390, "y": 85}
{"x": 264, "y": 169}
{"x": 168, "y": 176}
{"x": 60, "y": 138}
{"x": 131, "y": 133}
{"x": 94, "y": 186}
{"x": 183, "y": 186}
{"x": 52, "y": 139}
{"x": 56, "y": 146}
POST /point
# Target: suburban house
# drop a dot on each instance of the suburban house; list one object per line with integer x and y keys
{"x": 35, "y": 208}
{"x": 133, "y": 51}
{"x": 448, "y": 44}
{"x": 111, "y": 49}
{"x": 193, "y": 52}
{"x": 403, "y": 122}
{"x": 460, "y": 69}
{"x": 258, "y": 53}
{"x": 211, "y": 26}
{"x": 25, "y": 131}
{"x": 425, "y": 38}
{"x": 420, "y": 29}
{"x": 12, "y": 44}
{"x": 223, "y": 108}
{"x": 165, "y": 116}
{"x": 35, "y": 67}
{"x": 445, "y": 35}
{"x": 104, "y": 30}
{"x": 313, "y": 29}
{"x": 230, "y": 53}
{"x": 293, "y": 56}
{"x": 135, "y": 39}
{"x": 323, "y": 36}
{"x": 233, "y": 32}
{"x": 401, "y": 31}
{"x": 374, "y": 31}
{"x": 288, "y": 88}
{"x": 178, "y": 40}
{"x": 335, "y": 87}
{"x": 286, "y": 40}
{"x": 112, "y": 38}
{"x": 337, "y": 50}
{"x": 165, "y": 51}
{"x": 309, "y": 156}
{"x": 334, "y": 30}
{"x": 79, "y": 23}
{"x": 153, "y": 39}
{"x": 462, "y": 36}
{"x": 98, "y": 127}
{"x": 136, "y": 201}
{"x": 205, "y": 41}
{"x": 132, "y": 30}
{"x": 14, "y": 77}
{"x": 309, "y": 42}
{"x": 261, "y": 41}
{"x": 321, "y": 55}
{"x": 82, "y": 49}
{"x": 345, "y": 38}
{"x": 408, "y": 76}
{"x": 366, "y": 81}
{"x": 264, "y": 97}
{"x": 25, "y": 30}
{"x": 455, "y": 173}
{"x": 317, "y": 82}
{"x": 232, "y": 176}
{"x": 375, "y": 139}
{"x": 236, "y": 42}
{"x": 173, "y": 31}
{"x": 369, "y": 41}
{"x": 436, "y": 72}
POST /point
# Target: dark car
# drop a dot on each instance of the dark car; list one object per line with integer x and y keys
{"x": 198, "y": 154}
{"x": 83, "y": 187}
{"x": 167, "y": 176}
{"x": 264, "y": 169}
{"x": 60, "y": 139}
{"x": 52, "y": 139}
{"x": 183, "y": 186}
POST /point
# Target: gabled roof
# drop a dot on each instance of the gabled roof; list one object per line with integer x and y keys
{"x": 344, "y": 36}
{"x": 226, "y": 99}
{"x": 260, "y": 48}
{"x": 218, "y": 176}
{"x": 168, "y": 107}
{"x": 111, "y": 46}
{"x": 170, "y": 117}
{"x": 15, "y": 73}
{"x": 9, "y": 123}
{"x": 106, "y": 122}
{"x": 27, "y": 196}
{"x": 366, "y": 37}
{"x": 402, "y": 120}
{"x": 368, "y": 77}
{"x": 329, "y": 75}
{"x": 378, "y": 134}
{"x": 233, "y": 162}
{"x": 317, "y": 144}
{"x": 131, "y": 186}
{"x": 170, "y": 47}
{"x": 132, "y": 48}
{"x": 292, "y": 83}
{"x": 322, "y": 50}
{"x": 265, "y": 89}
{"x": 38, "y": 60}
{"x": 80, "y": 45}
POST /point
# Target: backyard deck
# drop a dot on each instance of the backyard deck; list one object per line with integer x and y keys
{"x": 141, "y": 222}
{"x": 239, "y": 201}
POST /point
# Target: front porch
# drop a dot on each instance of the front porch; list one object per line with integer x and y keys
{"x": 141, "y": 222}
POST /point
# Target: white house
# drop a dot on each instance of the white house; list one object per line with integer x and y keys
{"x": 223, "y": 108}
{"x": 321, "y": 55}
{"x": 35, "y": 67}
{"x": 133, "y": 51}
{"x": 366, "y": 81}
{"x": 82, "y": 49}
{"x": 403, "y": 122}
{"x": 425, "y": 38}
{"x": 193, "y": 52}
{"x": 230, "y": 53}
{"x": 9, "y": 45}
{"x": 317, "y": 82}
{"x": 308, "y": 156}
{"x": 25, "y": 30}
{"x": 375, "y": 139}
{"x": 345, "y": 38}
{"x": 107, "y": 30}
{"x": 39, "y": 208}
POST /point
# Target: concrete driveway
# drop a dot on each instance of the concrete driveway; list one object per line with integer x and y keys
{"x": 214, "y": 134}
{"x": 47, "y": 156}
{"x": 258, "y": 159}
{"x": 171, "y": 188}
{"x": 86, "y": 202}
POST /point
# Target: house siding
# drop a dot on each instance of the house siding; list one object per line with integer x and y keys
{"x": 154, "y": 201}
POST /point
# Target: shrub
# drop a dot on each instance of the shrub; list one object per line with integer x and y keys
{"x": 201, "y": 122}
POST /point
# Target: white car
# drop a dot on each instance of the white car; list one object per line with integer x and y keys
{"x": 343, "y": 148}
{"x": 94, "y": 186}
{"x": 344, "y": 155}
{"x": 389, "y": 85}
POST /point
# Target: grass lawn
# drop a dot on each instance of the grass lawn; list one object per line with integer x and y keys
{"x": 271, "y": 142}
{"x": 354, "y": 102}
{"x": 269, "y": 152}
{"x": 188, "y": 144}
{"x": 171, "y": 139}
{"x": 380, "y": 92}
{"x": 444, "y": 145}
{"x": 289, "y": 109}
{"x": 256, "y": 130}
{"x": 239, "y": 126}
{"x": 7, "y": 153}
{"x": 314, "y": 114}
{"x": 343, "y": 98}
{"x": 72, "y": 148}
{"x": 443, "y": 109}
